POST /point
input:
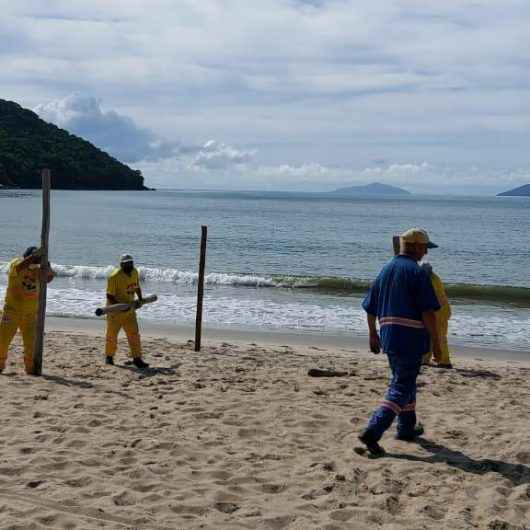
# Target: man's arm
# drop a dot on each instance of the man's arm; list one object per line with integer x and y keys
{"x": 51, "y": 273}
{"x": 139, "y": 293}
{"x": 111, "y": 291}
{"x": 111, "y": 299}
{"x": 375, "y": 343}
{"x": 429, "y": 321}
{"x": 32, "y": 259}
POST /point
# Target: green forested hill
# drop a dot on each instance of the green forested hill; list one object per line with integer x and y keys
{"x": 28, "y": 144}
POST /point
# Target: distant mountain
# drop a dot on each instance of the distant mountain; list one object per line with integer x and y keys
{"x": 375, "y": 188}
{"x": 522, "y": 191}
{"x": 29, "y": 144}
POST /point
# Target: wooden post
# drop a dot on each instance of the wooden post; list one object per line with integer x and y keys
{"x": 43, "y": 273}
{"x": 395, "y": 244}
{"x": 200, "y": 288}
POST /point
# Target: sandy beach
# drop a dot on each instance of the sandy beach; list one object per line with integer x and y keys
{"x": 239, "y": 436}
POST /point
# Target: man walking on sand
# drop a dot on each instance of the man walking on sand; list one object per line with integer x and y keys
{"x": 21, "y": 305}
{"x": 402, "y": 298}
{"x": 122, "y": 285}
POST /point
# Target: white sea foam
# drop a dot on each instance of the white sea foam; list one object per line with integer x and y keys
{"x": 87, "y": 272}
{"x": 473, "y": 324}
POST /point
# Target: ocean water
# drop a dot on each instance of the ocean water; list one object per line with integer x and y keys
{"x": 281, "y": 261}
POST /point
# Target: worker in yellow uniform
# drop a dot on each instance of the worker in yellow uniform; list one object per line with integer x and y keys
{"x": 21, "y": 305}
{"x": 123, "y": 284}
{"x": 442, "y": 319}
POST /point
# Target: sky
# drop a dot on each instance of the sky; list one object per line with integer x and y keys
{"x": 302, "y": 95}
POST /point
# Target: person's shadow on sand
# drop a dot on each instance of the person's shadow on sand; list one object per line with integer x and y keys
{"x": 518, "y": 474}
{"x": 474, "y": 372}
{"x": 67, "y": 381}
{"x": 146, "y": 372}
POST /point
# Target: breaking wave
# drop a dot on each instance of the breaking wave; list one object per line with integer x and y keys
{"x": 487, "y": 293}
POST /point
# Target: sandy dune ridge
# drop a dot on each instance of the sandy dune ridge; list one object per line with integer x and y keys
{"x": 239, "y": 437}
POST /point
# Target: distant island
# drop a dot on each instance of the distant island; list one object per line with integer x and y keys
{"x": 375, "y": 188}
{"x": 29, "y": 144}
{"x": 521, "y": 191}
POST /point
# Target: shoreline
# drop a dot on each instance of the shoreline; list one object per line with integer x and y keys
{"x": 346, "y": 343}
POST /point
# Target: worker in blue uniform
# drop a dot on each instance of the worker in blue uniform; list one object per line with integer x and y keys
{"x": 403, "y": 300}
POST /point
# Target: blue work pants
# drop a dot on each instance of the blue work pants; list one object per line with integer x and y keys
{"x": 400, "y": 399}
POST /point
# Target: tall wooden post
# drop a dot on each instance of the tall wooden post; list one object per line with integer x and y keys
{"x": 200, "y": 288}
{"x": 43, "y": 273}
{"x": 396, "y": 245}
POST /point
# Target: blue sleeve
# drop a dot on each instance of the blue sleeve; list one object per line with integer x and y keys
{"x": 371, "y": 301}
{"x": 427, "y": 299}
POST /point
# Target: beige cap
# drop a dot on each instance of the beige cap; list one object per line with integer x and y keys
{"x": 417, "y": 235}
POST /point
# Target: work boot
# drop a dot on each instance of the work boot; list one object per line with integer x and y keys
{"x": 373, "y": 447}
{"x": 139, "y": 363}
{"x": 411, "y": 437}
{"x": 109, "y": 360}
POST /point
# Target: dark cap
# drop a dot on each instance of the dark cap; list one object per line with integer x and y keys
{"x": 29, "y": 251}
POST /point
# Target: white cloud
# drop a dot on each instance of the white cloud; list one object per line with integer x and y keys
{"x": 113, "y": 132}
{"x": 420, "y": 177}
{"x": 216, "y": 155}
{"x": 307, "y": 84}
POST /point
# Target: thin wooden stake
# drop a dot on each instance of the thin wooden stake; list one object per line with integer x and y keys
{"x": 200, "y": 289}
{"x": 396, "y": 245}
{"x": 43, "y": 273}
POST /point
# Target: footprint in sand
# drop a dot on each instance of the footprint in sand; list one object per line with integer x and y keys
{"x": 273, "y": 488}
{"x": 80, "y": 482}
{"x": 125, "y": 498}
{"x": 187, "y": 509}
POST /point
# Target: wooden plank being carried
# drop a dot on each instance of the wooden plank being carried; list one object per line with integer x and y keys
{"x": 118, "y": 308}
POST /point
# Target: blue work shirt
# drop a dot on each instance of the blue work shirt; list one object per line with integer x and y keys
{"x": 398, "y": 297}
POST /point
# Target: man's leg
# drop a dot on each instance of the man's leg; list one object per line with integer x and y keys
{"x": 8, "y": 329}
{"x": 406, "y": 424}
{"x": 111, "y": 342}
{"x": 27, "y": 328}
{"x": 397, "y": 397}
{"x": 130, "y": 325}
{"x": 443, "y": 328}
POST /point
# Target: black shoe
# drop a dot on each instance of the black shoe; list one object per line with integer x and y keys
{"x": 109, "y": 360}
{"x": 447, "y": 366}
{"x": 411, "y": 437}
{"x": 373, "y": 447}
{"x": 139, "y": 363}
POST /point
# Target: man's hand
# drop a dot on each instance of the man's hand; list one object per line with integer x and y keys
{"x": 375, "y": 343}
{"x": 436, "y": 351}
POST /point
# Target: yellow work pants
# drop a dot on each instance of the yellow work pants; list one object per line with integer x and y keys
{"x": 10, "y": 323}
{"x": 127, "y": 321}
{"x": 443, "y": 329}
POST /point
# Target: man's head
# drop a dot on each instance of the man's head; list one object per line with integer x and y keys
{"x": 32, "y": 252}
{"x": 127, "y": 263}
{"x": 415, "y": 243}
